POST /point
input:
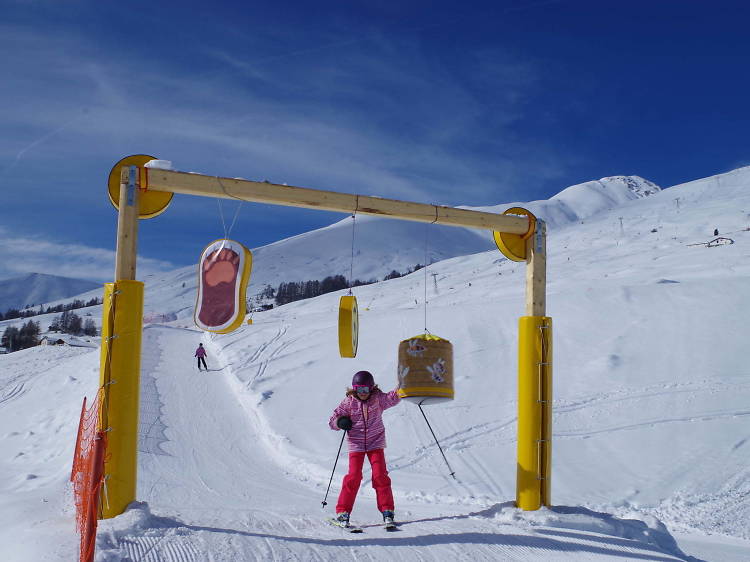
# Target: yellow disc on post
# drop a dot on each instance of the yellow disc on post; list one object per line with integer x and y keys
{"x": 348, "y": 326}
{"x": 152, "y": 203}
{"x": 513, "y": 246}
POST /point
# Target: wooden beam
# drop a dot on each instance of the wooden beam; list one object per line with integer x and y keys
{"x": 127, "y": 228}
{"x": 263, "y": 192}
{"x": 536, "y": 271}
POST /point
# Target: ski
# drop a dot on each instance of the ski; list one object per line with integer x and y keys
{"x": 346, "y": 527}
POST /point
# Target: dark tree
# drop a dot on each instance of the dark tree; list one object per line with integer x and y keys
{"x": 10, "y": 339}
{"x": 29, "y": 334}
{"x": 89, "y": 327}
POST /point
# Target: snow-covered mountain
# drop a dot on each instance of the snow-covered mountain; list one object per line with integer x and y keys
{"x": 651, "y": 448}
{"x": 34, "y": 289}
{"x": 383, "y": 245}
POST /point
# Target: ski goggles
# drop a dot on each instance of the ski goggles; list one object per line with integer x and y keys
{"x": 362, "y": 388}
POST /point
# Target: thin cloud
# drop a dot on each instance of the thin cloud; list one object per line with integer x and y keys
{"x": 37, "y": 142}
{"x": 21, "y": 254}
{"x": 403, "y": 146}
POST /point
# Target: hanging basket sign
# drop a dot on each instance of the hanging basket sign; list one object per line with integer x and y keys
{"x": 223, "y": 275}
{"x": 425, "y": 369}
{"x": 348, "y": 326}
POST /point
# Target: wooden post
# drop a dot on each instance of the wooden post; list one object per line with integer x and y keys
{"x": 536, "y": 271}
{"x": 127, "y": 227}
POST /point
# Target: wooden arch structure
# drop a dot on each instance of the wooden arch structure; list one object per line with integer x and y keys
{"x": 143, "y": 192}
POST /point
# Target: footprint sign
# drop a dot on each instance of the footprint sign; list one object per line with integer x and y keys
{"x": 223, "y": 275}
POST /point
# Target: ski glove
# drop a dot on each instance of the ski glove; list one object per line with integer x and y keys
{"x": 344, "y": 422}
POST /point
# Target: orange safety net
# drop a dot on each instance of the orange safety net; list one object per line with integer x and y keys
{"x": 87, "y": 476}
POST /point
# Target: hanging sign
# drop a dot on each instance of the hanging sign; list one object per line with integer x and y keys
{"x": 348, "y": 326}
{"x": 425, "y": 369}
{"x": 223, "y": 275}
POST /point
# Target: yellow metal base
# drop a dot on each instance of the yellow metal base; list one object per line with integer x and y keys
{"x": 534, "y": 412}
{"x": 122, "y": 325}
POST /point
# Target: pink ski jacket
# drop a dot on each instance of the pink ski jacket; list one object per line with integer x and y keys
{"x": 367, "y": 432}
{"x": 200, "y": 352}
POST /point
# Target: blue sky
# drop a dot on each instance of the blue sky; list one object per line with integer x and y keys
{"x": 434, "y": 102}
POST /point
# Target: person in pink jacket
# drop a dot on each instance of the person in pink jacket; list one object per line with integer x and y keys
{"x": 200, "y": 353}
{"x": 361, "y": 415}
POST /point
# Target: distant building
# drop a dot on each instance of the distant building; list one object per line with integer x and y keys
{"x": 46, "y": 340}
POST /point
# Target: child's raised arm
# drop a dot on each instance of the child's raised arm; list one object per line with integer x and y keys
{"x": 389, "y": 399}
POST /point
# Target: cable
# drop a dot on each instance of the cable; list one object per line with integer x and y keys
{"x": 227, "y": 232}
{"x": 351, "y": 266}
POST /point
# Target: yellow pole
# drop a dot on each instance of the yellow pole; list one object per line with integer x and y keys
{"x": 534, "y": 470}
{"x": 534, "y": 411}
{"x": 120, "y": 377}
{"x": 122, "y": 325}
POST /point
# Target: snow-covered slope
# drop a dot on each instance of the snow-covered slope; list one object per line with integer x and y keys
{"x": 651, "y": 446}
{"x": 34, "y": 289}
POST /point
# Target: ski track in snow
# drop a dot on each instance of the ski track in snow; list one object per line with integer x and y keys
{"x": 14, "y": 392}
{"x": 716, "y": 390}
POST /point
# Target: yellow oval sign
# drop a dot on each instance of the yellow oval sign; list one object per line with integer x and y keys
{"x": 152, "y": 203}
{"x": 513, "y": 246}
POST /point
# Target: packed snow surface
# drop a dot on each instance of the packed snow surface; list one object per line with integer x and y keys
{"x": 651, "y": 423}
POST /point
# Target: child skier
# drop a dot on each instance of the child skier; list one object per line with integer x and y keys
{"x": 200, "y": 353}
{"x": 360, "y": 414}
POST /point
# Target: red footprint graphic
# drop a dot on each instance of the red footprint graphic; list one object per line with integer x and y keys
{"x": 222, "y": 279}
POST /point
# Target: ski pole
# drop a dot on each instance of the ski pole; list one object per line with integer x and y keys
{"x": 334, "y": 469}
{"x": 452, "y": 473}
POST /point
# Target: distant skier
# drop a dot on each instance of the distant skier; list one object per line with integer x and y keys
{"x": 200, "y": 353}
{"x": 716, "y": 231}
{"x": 360, "y": 413}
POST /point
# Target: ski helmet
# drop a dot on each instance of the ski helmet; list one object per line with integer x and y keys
{"x": 363, "y": 378}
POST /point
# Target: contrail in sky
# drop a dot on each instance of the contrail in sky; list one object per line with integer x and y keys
{"x": 37, "y": 142}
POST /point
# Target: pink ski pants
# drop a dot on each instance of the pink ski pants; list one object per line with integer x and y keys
{"x": 380, "y": 481}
